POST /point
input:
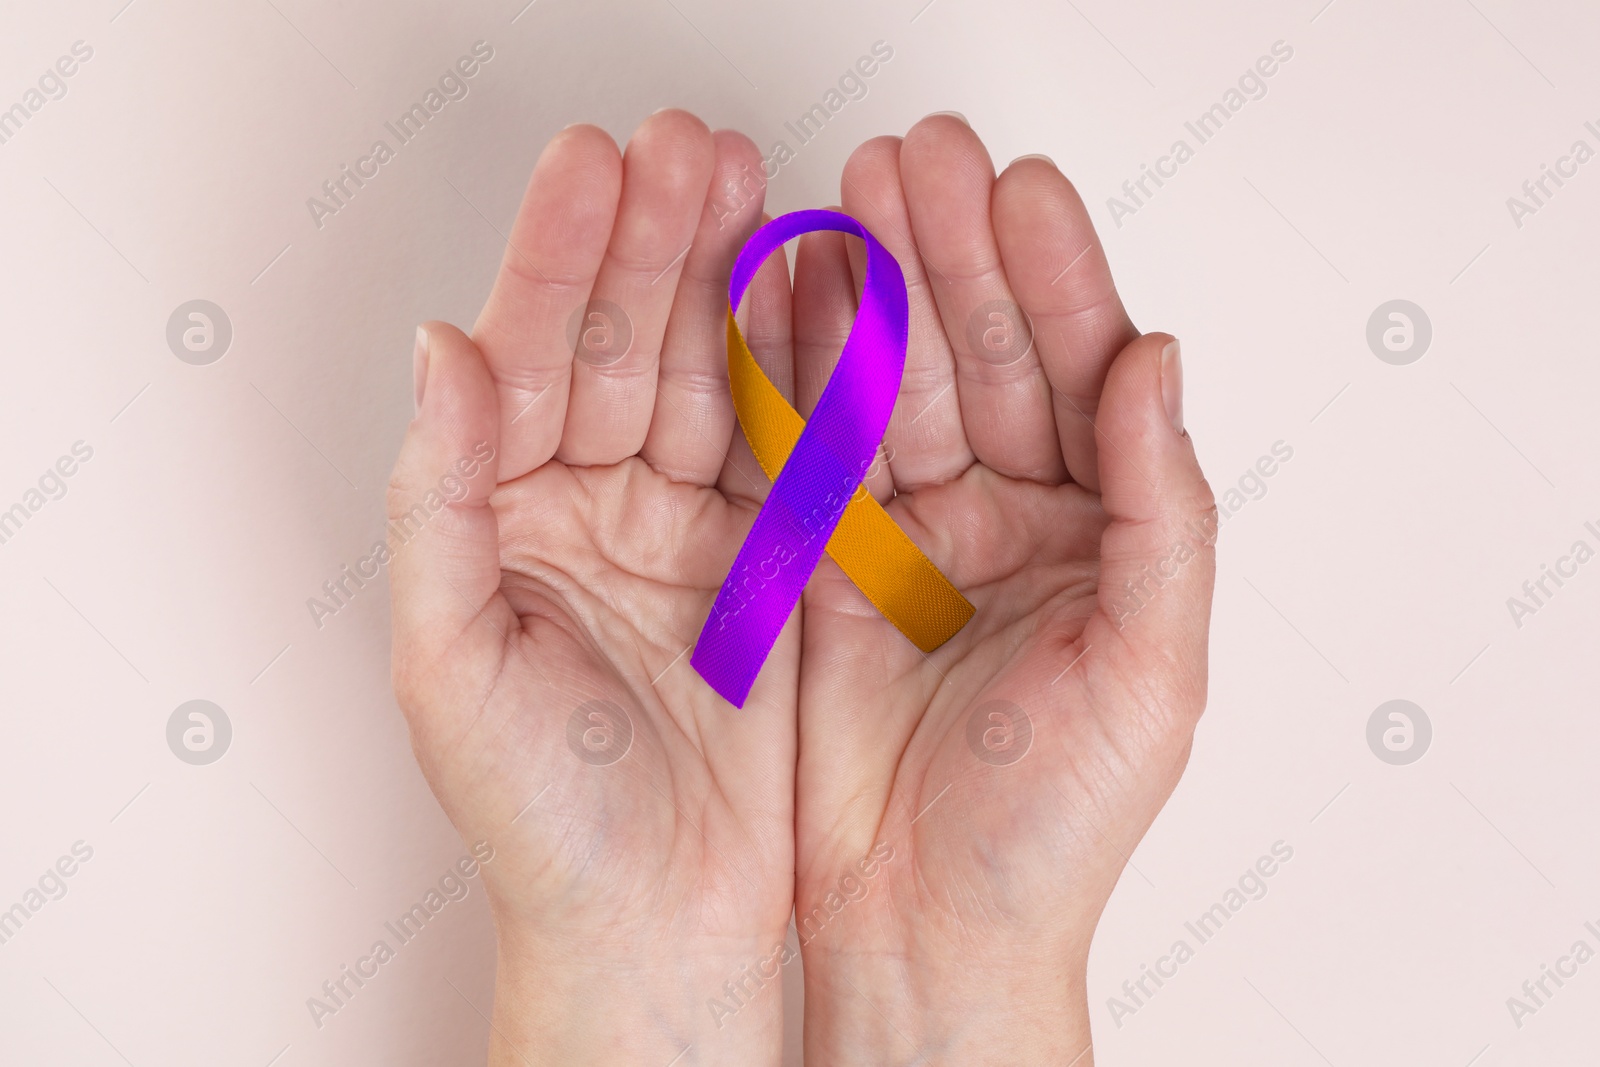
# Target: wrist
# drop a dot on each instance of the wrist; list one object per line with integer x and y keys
{"x": 577, "y": 1003}
{"x": 915, "y": 1007}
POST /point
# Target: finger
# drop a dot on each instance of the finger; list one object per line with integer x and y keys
{"x": 550, "y": 263}
{"x": 1059, "y": 273}
{"x": 693, "y": 421}
{"x": 824, "y": 309}
{"x": 1005, "y": 397}
{"x": 925, "y": 436}
{"x": 765, "y": 319}
{"x": 442, "y": 535}
{"x": 1158, "y": 558}
{"x": 665, "y": 174}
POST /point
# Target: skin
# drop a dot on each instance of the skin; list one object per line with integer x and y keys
{"x": 650, "y": 848}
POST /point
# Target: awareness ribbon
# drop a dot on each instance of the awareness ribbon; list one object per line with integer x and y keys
{"x": 817, "y": 501}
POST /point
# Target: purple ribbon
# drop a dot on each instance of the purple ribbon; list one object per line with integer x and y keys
{"x": 834, "y": 453}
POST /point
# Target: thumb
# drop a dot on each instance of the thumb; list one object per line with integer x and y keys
{"x": 1157, "y": 555}
{"x": 442, "y": 534}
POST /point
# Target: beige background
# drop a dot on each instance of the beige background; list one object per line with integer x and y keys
{"x": 219, "y": 498}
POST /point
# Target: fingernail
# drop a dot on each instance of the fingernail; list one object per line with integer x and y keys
{"x": 958, "y": 116}
{"x": 1172, "y": 384}
{"x": 419, "y": 365}
{"x": 1036, "y": 155}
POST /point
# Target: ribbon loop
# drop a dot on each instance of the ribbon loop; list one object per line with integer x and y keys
{"x": 817, "y": 467}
